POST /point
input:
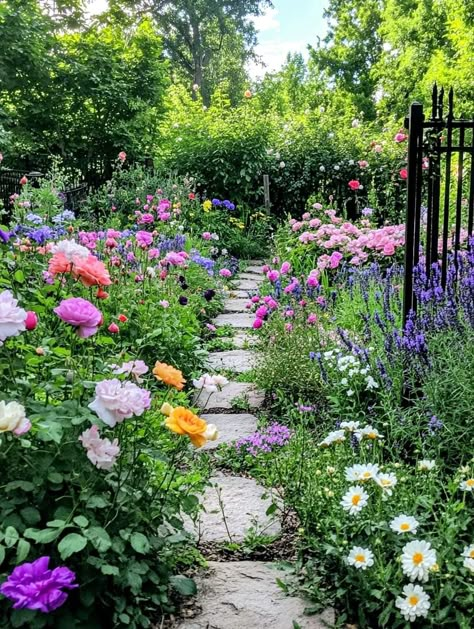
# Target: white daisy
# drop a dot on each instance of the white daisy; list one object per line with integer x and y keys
{"x": 467, "y": 485}
{"x": 417, "y": 559}
{"x": 350, "y": 392}
{"x": 425, "y": 465}
{"x": 368, "y": 471}
{"x": 387, "y": 482}
{"x": 404, "y": 524}
{"x": 369, "y": 432}
{"x": 355, "y": 499}
{"x": 350, "y": 426}
{"x": 469, "y": 563}
{"x": 336, "y": 436}
{"x": 414, "y": 603}
{"x": 468, "y": 552}
{"x": 360, "y": 558}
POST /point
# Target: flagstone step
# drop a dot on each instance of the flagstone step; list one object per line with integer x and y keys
{"x": 235, "y": 305}
{"x": 248, "y": 284}
{"x": 236, "y": 320}
{"x": 236, "y": 360}
{"x": 241, "y": 294}
{"x": 251, "y": 276}
{"x": 246, "y": 595}
{"x": 257, "y": 270}
{"x": 255, "y": 262}
{"x": 222, "y": 400}
{"x": 230, "y": 427}
{"x": 232, "y": 506}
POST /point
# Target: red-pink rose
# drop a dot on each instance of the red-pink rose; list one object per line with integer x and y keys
{"x": 354, "y": 184}
{"x": 31, "y": 320}
{"x": 404, "y": 173}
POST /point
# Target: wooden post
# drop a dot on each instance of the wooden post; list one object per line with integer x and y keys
{"x": 266, "y": 191}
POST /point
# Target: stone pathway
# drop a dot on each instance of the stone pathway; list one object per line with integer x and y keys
{"x": 242, "y": 594}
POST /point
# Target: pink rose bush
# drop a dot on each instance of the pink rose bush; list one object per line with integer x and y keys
{"x": 101, "y": 452}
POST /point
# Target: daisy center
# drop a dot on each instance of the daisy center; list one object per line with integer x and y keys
{"x": 470, "y": 482}
{"x": 386, "y": 482}
{"x": 371, "y": 435}
{"x": 366, "y": 474}
{"x": 471, "y": 554}
{"x": 356, "y": 499}
{"x": 360, "y": 558}
{"x": 417, "y": 558}
{"x": 413, "y": 599}
{"x": 404, "y": 526}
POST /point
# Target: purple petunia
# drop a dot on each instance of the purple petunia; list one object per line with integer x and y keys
{"x": 266, "y": 440}
{"x": 35, "y": 586}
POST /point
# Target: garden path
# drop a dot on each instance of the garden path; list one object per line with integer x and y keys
{"x": 241, "y": 594}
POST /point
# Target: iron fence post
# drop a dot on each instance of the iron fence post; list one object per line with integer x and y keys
{"x": 415, "y": 135}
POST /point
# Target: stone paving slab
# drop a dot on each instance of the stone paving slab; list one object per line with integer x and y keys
{"x": 236, "y": 320}
{"x": 257, "y": 270}
{"x": 242, "y": 294}
{"x": 236, "y": 360}
{"x": 239, "y": 501}
{"x": 251, "y": 276}
{"x": 223, "y": 399}
{"x": 245, "y": 595}
{"x": 236, "y": 305}
{"x": 244, "y": 340}
{"x": 231, "y": 427}
{"x": 252, "y": 284}
{"x": 255, "y": 262}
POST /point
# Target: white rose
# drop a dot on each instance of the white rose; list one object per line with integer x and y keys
{"x": 12, "y": 416}
{"x": 211, "y": 433}
{"x": 12, "y": 318}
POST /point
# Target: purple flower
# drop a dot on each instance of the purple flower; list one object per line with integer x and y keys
{"x": 81, "y": 314}
{"x": 264, "y": 441}
{"x": 34, "y": 586}
{"x": 4, "y": 236}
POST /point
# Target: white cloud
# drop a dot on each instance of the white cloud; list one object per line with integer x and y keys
{"x": 273, "y": 54}
{"x": 268, "y": 21}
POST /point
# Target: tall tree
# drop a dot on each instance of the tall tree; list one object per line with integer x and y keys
{"x": 195, "y": 32}
{"x": 350, "y": 49}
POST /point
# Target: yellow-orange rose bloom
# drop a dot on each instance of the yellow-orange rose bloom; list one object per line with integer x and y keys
{"x": 169, "y": 375}
{"x": 184, "y": 422}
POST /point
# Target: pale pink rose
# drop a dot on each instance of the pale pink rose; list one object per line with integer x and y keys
{"x": 389, "y": 249}
{"x": 135, "y": 368}
{"x": 273, "y": 275}
{"x": 363, "y": 163}
{"x": 101, "y": 452}
{"x": 335, "y": 259}
{"x": 115, "y": 401}
{"x": 12, "y": 318}
{"x": 122, "y": 156}
{"x": 400, "y": 137}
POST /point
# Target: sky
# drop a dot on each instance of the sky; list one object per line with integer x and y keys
{"x": 289, "y": 27}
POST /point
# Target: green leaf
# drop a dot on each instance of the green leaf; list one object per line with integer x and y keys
{"x": 22, "y": 550}
{"x": 55, "y": 477}
{"x": 44, "y": 536}
{"x": 11, "y": 536}
{"x": 183, "y": 585}
{"x": 72, "y": 543}
{"x": 19, "y": 276}
{"x": 30, "y": 515}
{"x": 20, "y": 484}
{"x": 81, "y": 521}
{"x": 97, "y": 502}
{"x": 2, "y": 554}
{"x": 140, "y": 543}
{"x": 108, "y": 569}
{"x": 56, "y": 524}
{"x": 271, "y": 509}
{"x": 99, "y": 538}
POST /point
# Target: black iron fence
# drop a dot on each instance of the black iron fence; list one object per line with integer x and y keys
{"x": 440, "y": 189}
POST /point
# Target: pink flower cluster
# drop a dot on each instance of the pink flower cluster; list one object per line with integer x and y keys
{"x": 115, "y": 401}
{"x": 348, "y": 240}
{"x": 101, "y": 452}
{"x": 155, "y": 209}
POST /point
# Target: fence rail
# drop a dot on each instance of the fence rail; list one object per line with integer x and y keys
{"x": 441, "y": 176}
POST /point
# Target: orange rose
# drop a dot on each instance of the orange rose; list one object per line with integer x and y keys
{"x": 169, "y": 375}
{"x": 184, "y": 422}
{"x": 91, "y": 271}
{"x": 59, "y": 264}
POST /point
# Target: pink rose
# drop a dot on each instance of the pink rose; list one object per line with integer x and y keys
{"x": 363, "y": 163}
{"x": 336, "y": 257}
{"x": 354, "y": 184}
{"x": 273, "y": 275}
{"x": 144, "y": 239}
{"x": 400, "y": 137}
{"x": 207, "y": 236}
{"x": 257, "y": 324}
{"x": 101, "y": 452}
{"x": 31, "y": 320}
{"x": 389, "y": 249}
{"x": 312, "y": 318}
{"x": 81, "y": 314}
{"x": 225, "y": 273}
{"x": 115, "y": 401}
{"x": 261, "y": 312}
{"x": 285, "y": 268}
{"x": 404, "y": 173}
{"x": 122, "y": 156}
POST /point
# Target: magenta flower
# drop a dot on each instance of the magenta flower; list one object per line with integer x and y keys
{"x": 34, "y": 586}
{"x": 81, "y": 314}
{"x": 261, "y": 312}
{"x": 400, "y": 137}
{"x": 285, "y": 268}
{"x": 273, "y": 275}
{"x": 336, "y": 257}
{"x": 207, "y": 236}
{"x": 257, "y": 324}
{"x": 225, "y": 273}
{"x": 144, "y": 239}
{"x": 354, "y": 184}
{"x": 312, "y": 318}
